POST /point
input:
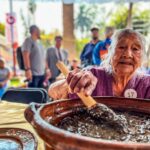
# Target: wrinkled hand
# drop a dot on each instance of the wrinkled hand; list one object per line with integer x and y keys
{"x": 81, "y": 81}
{"x": 58, "y": 90}
{"x": 28, "y": 75}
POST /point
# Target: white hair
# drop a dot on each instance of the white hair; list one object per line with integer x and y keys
{"x": 115, "y": 38}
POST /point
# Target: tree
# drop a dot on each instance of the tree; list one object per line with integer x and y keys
{"x": 129, "y": 17}
{"x": 141, "y": 22}
{"x": 85, "y": 18}
{"x": 103, "y": 20}
{"x": 119, "y": 17}
{"x": 48, "y": 39}
{"x": 2, "y": 29}
{"x": 27, "y": 22}
{"x": 68, "y": 28}
{"x": 31, "y": 7}
{"x": 122, "y": 16}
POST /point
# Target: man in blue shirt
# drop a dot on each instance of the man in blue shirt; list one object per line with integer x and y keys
{"x": 101, "y": 49}
{"x": 86, "y": 55}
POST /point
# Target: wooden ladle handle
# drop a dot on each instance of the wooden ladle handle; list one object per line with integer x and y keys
{"x": 87, "y": 100}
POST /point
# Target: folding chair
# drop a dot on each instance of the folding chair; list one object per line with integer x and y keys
{"x": 26, "y": 95}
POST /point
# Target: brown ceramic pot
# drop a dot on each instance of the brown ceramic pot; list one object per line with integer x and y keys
{"x": 17, "y": 139}
{"x": 63, "y": 140}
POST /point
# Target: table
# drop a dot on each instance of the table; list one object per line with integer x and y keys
{"x": 12, "y": 115}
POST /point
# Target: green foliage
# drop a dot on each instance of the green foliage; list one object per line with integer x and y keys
{"x": 47, "y": 39}
{"x": 2, "y": 29}
{"x": 119, "y": 17}
{"x": 85, "y": 18}
{"x": 140, "y": 18}
{"x": 27, "y": 22}
{"x": 31, "y": 6}
{"x": 145, "y": 15}
{"x": 80, "y": 43}
{"x": 141, "y": 21}
{"x": 103, "y": 20}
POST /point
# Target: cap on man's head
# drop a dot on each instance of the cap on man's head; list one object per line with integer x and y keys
{"x": 32, "y": 28}
{"x": 94, "y": 29}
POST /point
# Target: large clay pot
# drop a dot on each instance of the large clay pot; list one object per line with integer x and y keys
{"x": 63, "y": 140}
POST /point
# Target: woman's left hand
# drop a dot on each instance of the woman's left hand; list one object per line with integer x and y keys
{"x": 58, "y": 90}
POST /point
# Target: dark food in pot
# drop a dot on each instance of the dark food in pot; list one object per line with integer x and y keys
{"x": 101, "y": 111}
{"x": 81, "y": 122}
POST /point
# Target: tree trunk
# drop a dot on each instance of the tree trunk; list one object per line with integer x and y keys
{"x": 68, "y": 29}
{"x": 129, "y": 19}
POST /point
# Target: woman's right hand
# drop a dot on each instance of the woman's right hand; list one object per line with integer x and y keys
{"x": 81, "y": 81}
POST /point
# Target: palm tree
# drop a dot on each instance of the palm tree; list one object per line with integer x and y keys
{"x": 32, "y": 9}
{"x": 85, "y": 18}
{"x": 68, "y": 28}
{"x": 129, "y": 18}
{"x": 27, "y": 22}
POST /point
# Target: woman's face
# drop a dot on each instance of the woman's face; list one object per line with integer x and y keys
{"x": 128, "y": 54}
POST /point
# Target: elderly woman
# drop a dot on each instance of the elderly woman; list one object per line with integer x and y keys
{"x": 118, "y": 75}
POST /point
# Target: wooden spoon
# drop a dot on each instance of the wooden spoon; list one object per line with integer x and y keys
{"x": 97, "y": 110}
{"x": 87, "y": 100}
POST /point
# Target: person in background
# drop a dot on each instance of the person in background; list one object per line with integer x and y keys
{"x": 74, "y": 64}
{"x": 4, "y": 77}
{"x": 34, "y": 59}
{"x": 101, "y": 49}
{"x": 86, "y": 55}
{"x": 55, "y": 54}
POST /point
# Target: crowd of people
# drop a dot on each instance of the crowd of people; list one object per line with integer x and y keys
{"x": 40, "y": 65}
{"x": 41, "y": 68}
{"x": 96, "y": 50}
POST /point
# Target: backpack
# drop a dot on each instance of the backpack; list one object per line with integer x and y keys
{"x": 20, "y": 58}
